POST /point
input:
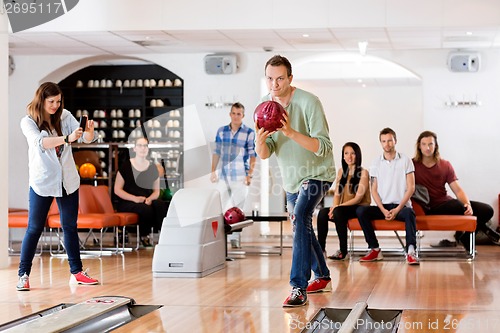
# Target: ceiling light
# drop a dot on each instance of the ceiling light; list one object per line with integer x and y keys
{"x": 362, "y": 47}
{"x": 305, "y": 35}
{"x": 469, "y": 33}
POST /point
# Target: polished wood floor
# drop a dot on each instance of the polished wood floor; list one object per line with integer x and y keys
{"x": 247, "y": 295}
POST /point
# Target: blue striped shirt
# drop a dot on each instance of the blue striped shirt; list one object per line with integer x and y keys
{"x": 235, "y": 151}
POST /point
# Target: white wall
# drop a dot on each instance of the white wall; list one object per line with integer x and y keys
{"x": 358, "y": 114}
{"x": 4, "y": 138}
{"x": 467, "y": 136}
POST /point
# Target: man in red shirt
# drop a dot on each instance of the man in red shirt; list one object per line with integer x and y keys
{"x": 434, "y": 173}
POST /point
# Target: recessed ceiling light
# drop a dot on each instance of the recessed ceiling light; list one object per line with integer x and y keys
{"x": 362, "y": 47}
{"x": 360, "y": 80}
{"x": 469, "y": 33}
{"x": 305, "y": 35}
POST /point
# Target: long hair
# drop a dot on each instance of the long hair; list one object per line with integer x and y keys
{"x": 353, "y": 184}
{"x": 278, "y": 60}
{"x": 36, "y": 107}
{"x": 418, "y": 152}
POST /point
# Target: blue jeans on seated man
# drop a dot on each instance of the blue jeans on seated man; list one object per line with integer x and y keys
{"x": 368, "y": 213}
{"x": 37, "y": 216}
{"x": 307, "y": 254}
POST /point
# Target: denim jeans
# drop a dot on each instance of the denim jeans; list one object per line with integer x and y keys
{"x": 37, "y": 215}
{"x": 307, "y": 253}
{"x": 368, "y": 213}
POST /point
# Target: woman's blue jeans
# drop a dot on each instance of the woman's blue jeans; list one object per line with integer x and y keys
{"x": 307, "y": 254}
{"x": 37, "y": 216}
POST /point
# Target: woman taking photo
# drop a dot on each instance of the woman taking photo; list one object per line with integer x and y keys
{"x": 351, "y": 191}
{"x": 50, "y": 130}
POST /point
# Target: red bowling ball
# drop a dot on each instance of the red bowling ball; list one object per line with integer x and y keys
{"x": 234, "y": 215}
{"x": 268, "y": 115}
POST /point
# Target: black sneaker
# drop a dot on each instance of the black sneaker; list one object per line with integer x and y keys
{"x": 339, "y": 255}
{"x": 444, "y": 243}
{"x": 492, "y": 235}
{"x": 465, "y": 241}
{"x": 298, "y": 297}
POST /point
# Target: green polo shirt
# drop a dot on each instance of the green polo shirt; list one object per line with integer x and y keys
{"x": 296, "y": 163}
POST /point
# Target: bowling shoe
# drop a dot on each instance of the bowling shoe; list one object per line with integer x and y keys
{"x": 298, "y": 297}
{"x": 24, "y": 283}
{"x": 82, "y": 278}
{"x": 373, "y": 255}
{"x": 319, "y": 285}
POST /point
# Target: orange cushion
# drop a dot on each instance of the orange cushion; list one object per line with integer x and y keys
{"x": 447, "y": 222}
{"x": 127, "y": 218}
{"x": 18, "y": 219}
{"x": 86, "y": 201}
{"x": 425, "y": 222}
{"x": 96, "y": 200}
{"x": 88, "y": 221}
{"x": 353, "y": 224}
{"x": 102, "y": 199}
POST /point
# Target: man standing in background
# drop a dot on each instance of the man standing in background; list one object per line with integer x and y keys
{"x": 235, "y": 149}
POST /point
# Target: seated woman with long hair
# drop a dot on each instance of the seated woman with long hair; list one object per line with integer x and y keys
{"x": 137, "y": 186}
{"x": 351, "y": 191}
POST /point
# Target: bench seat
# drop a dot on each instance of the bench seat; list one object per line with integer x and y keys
{"x": 424, "y": 223}
{"x": 18, "y": 218}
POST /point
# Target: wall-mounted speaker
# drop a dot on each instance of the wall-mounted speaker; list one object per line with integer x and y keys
{"x": 464, "y": 61}
{"x": 221, "y": 64}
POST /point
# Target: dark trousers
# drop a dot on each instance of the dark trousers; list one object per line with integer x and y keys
{"x": 368, "y": 213}
{"x": 482, "y": 211}
{"x": 150, "y": 216}
{"x": 341, "y": 214}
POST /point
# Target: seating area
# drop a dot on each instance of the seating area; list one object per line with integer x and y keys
{"x": 97, "y": 200}
{"x": 96, "y": 215}
{"x": 18, "y": 218}
{"x": 424, "y": 223}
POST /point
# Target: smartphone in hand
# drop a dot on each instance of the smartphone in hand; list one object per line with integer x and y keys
{"x": 83, "y": 122}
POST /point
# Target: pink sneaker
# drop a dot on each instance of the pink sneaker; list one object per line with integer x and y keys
{"x": 319, "y": 285}
{"x": 411, "y": 259}
{"x": 82, "y": 278}
{"x": 373, "y": 255}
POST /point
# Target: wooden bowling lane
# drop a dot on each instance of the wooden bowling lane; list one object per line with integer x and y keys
{"x": 451, "y": 321}
{"x": 247, "y": 295}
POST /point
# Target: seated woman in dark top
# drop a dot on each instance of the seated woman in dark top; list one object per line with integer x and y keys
{"x": 137, "y": 186}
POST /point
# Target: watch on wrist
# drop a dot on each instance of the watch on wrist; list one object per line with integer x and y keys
{"x": 66, "y": 139}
